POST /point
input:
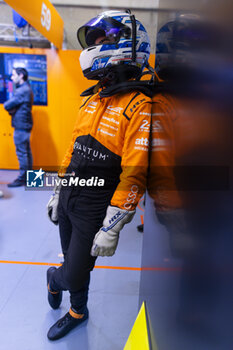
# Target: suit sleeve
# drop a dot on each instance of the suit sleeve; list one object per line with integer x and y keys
{"x": 134, "y": 157}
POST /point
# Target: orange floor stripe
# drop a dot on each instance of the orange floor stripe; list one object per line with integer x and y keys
{"x": 139, "y": 205}
{"x": 142, "y": 219}
{"x": 53, "y": 264}
{"x": 171, "y": 269}
{"x": 28, "y": 263}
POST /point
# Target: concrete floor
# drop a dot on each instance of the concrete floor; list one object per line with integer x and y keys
{"x": 28, "y": 243}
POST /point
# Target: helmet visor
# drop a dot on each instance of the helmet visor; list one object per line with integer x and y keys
{"x": 102, "y": 28}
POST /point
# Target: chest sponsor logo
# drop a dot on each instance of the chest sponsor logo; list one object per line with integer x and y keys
{"x": 106, "y": 132}
{"x": 111, "y": 120}
{"x": 91, "y": 107}
{"x": 109, "y": 126}
{"x": 114, "y": 110}
{"x": 89, "y": 152}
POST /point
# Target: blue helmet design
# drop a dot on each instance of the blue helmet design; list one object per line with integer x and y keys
{"x": 113, "y": 40}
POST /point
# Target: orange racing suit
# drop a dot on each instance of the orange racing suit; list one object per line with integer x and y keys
{"x": 110, "y": 141}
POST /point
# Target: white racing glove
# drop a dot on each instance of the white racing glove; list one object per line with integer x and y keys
{"x": 105, "y": 241}
{"x": 53, "y": 204}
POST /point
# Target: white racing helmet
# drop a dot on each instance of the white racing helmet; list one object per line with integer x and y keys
{"x": 124, "y": 48}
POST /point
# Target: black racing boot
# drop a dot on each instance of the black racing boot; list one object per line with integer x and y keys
{"x": 65, "y": 324}
{"x": 140, "y": 228}
{"x": 17, "y": 183}
{"x": 54, "y": 297}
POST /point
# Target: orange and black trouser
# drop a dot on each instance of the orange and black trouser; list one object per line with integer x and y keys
{"x": 80, "y": 214}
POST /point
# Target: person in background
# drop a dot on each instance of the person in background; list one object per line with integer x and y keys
{"x": 19, "y": 106}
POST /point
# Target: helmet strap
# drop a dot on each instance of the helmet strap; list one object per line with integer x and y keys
{"x": 134, "y": 30}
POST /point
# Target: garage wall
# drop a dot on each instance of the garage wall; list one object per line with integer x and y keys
{"x": 53, "y": 124}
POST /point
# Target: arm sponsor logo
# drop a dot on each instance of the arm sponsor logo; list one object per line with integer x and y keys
{"x": 141, "y": 144}
{"x": 131, "y": 198}
{"x": 137, "y": 104}
{"x": 143, "y": 141}
{"x": 145, "y": 126}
